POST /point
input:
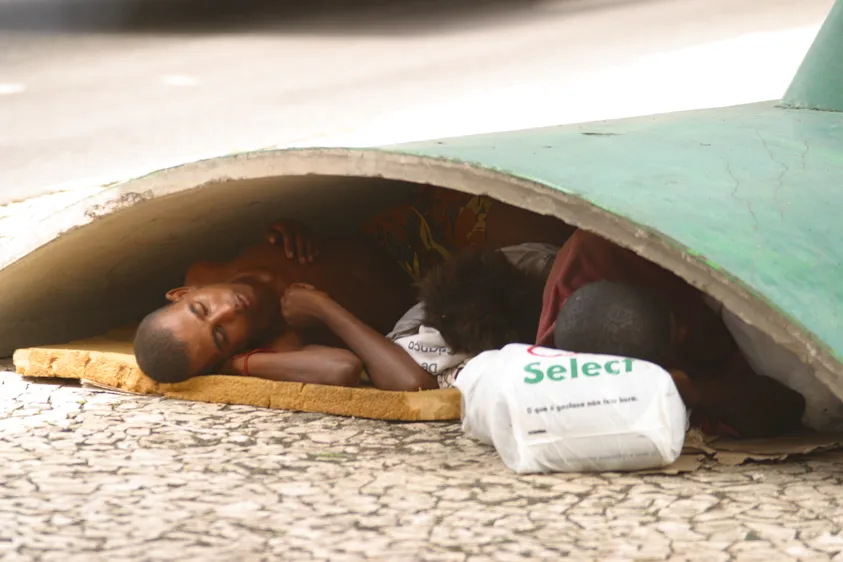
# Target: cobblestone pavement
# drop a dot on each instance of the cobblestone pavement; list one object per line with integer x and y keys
{"x": 100, "y": 476}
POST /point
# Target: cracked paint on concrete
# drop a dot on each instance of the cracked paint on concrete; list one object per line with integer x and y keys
{"x": 97, "y": 476}
{"x": 119, "y": 203}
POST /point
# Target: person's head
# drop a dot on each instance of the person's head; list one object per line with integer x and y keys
{"x": 200, "y": 329}
{"x": 479, "y": 300}
{"x": 615, "y": 319}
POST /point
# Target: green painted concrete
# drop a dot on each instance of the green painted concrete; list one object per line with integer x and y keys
{"x": 752, "y": 190}
{"x": 818, "y": 83}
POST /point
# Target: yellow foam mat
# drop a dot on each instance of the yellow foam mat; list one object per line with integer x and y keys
{"x": 109, "y": 361}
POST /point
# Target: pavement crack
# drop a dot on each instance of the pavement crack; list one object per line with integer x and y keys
{"x": 735, "y": 189}
{"x": 784, "y": 170}
{"x": 749, "y": 208}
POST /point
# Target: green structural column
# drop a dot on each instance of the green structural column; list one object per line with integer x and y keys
{"x": 818, "y": 83}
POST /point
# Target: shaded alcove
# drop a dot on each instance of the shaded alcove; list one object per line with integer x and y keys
{"x": 115, "y": 269}
{"x": 108, "y": 259}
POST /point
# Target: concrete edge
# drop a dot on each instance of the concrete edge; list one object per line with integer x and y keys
{"x": 393, "y": 165}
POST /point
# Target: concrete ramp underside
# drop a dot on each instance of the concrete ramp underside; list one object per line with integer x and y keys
{"x": 741, "y": 202}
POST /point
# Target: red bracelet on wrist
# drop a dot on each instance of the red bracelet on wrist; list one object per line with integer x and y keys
{"x": 246, "y": 356}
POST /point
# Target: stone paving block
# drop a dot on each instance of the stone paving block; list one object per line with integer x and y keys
{"x": 143, "y": 479}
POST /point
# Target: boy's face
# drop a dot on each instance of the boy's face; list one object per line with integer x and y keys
{"x": 216, "y": 321}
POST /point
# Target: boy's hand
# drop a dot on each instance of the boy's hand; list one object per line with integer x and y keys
{"x": 298, "y": 240}
{"x": 232, "y": 366}
{"x": 686, "y": 387}
{"x": 302, "y": 305}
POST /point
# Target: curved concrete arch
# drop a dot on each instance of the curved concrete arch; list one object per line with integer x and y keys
{"x": 107, "y": 258}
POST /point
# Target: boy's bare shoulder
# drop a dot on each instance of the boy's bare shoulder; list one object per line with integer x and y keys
{"x": 202, "y": 272}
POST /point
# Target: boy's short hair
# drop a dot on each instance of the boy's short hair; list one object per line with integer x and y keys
{"x": 479, "y": 300}
{"x": 160, "y": 355}
{"x": 615, "y": 319}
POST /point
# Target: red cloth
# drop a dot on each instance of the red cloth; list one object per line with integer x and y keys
{"x": 586, "y": 258}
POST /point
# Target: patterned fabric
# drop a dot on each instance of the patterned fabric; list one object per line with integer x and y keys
{"x": 447, "y": 378}
{"x": 424, "y": 233}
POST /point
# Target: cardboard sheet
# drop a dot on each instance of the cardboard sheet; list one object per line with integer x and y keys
{"x": 108, "y": 362}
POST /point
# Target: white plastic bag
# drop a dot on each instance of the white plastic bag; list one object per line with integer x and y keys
{"x": 547, "y": 410}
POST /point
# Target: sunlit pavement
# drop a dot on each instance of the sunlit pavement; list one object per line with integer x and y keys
{"x": 96, "y": 476}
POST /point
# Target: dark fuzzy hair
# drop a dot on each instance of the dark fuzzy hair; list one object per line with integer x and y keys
{"x": 615, "y": 319}
{"x": 159, "y": 354}
{"x": 479, "y": 300}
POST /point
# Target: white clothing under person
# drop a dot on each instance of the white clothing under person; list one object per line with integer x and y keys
{"x": 823, "y": 410}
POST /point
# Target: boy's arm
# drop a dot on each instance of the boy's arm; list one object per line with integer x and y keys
{"x": 313, "y": 365}
{"x": 288, "y": 360}
{"x": 754, "y": 405}
{"x": 389, "y": 366}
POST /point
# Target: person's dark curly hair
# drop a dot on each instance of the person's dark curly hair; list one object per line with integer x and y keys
{"x": 479, "y": 300}
{"x": 615, "y": 319}
{"x": 159, "y": 354}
